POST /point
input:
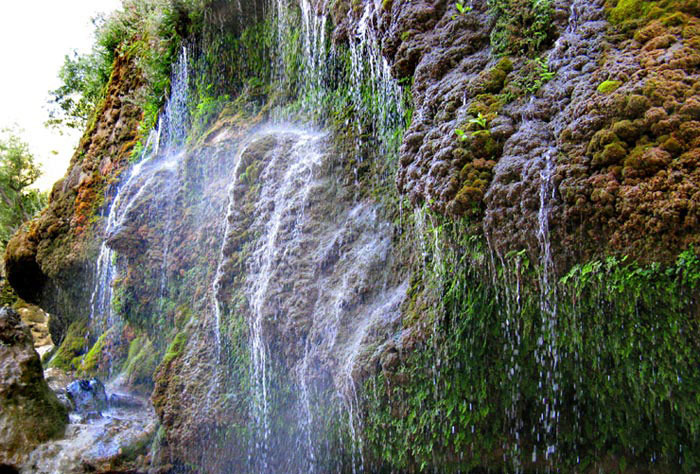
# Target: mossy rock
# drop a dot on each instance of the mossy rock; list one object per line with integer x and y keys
{"x": 626, "y": 130}
{"x": 72, "y": 347}
{"x": 141, "y": 363}
{"x": 7, "y": 295}
{"x": 601, "y": 139}
{"x": 492, "y": 80}
{"x": 175, "y": 348}
{"x": 648, "y": 159}
{"x": 628, "y": 10}
{"x": 612, "y": 153}
{"x": 606, "y": 87}
{"x": 89, "y": 364}
{"x": 636, "y": 105}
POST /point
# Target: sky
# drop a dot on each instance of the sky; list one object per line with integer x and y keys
{"x": 35, "y": 35}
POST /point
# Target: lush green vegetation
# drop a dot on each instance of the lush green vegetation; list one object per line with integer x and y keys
{"x": 19, "y": 201}
{"x": 149, "y": 31}
{"x": 471, "y": 391}
{"x": 522, "y": 27}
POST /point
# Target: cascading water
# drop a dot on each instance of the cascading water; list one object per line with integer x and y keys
{"x": 220, "y": 274}
{"x": 546, "y": 354}
{"x": 159, "y": 155}
{"x": 287, "y": 200}
{"x": 375, "y": 93}
{"x": 318, "y": 268}
{"x": 101, "y": 316}
{"x": 316, "y": 48}
{"x": 291, "y": 324}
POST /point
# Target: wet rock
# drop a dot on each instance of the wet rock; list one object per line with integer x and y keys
{"x": 124, "y": 401}
{"x": 92, "y": 443}
{"x": 87, "y": 395}
{"x": 31, "y": 413}
{"x": 58, "y": 380}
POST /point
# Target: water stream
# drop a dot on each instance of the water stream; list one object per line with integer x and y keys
{"x": 160, "y": 156}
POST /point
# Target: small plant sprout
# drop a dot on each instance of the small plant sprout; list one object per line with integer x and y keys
{"x": 480, "y": 120}
{"x": 543, "y": 73}
{"x": 461, "y": 8}
{"x": 543, "y": 69}
{"x": 460, "y": 134}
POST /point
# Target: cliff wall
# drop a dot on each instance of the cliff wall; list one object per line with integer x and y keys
{"x": 485, "y": 257}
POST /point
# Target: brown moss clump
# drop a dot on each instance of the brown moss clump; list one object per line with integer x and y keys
{"x": 479, "y": 153}
{"x": 636, "y": 189}
{"x": 613, "y": 153}
{"x": 491, "y": 81}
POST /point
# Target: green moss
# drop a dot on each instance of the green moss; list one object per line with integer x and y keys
{"x": 522, "y": 27}
{"x": 89, "y": 363}
{"x": 606, "y": 87}
{"x": 492, "y": 80}
{"x": 141, "y": 363}
{"x": 613, "y": 153}
{"x": 600, "y": 139}
{"x": 626, "y": 130}
{"x": 627, "y": 10}
{"x": 175, "y": 348}
{"x": 486, "y": 105}
{"x": 626, "y": 340}
{"x": 74, "y": 344}
{"x": 505, "y": 65}
{"x": 636, "y": 105}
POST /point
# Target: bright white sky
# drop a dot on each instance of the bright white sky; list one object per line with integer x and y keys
{"x": 35, "y": 35}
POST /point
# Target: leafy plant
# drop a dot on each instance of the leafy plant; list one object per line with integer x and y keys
{"x": 479, "y": 120}
{"x": 542, "y": 75}
{"x": 462, "y": 8}
{"x": 84, "y": 79}
{"x": 626, "y": 342}
{"x": 149, "y": 32}
{"x": 19, "y": 202}
{"x": 521, "y": 27}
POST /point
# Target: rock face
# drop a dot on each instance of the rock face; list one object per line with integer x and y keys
{"x": 38, "y": 322}
{"x": 30, "y": 412}
{"x": 49, "y": 263}
{"x": 612, "y": 105}
{"x": 560, "y": 126}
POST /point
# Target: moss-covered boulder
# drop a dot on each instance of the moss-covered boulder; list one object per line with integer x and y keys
{"x": 30, "y": 413}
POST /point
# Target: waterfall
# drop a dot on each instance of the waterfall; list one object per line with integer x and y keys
{"x": 315, "y": 52}
{"x": 287, "y": 199}
{"x": 101, "y": 316}
{"x": 318, "y": 290}
{"x": 160, "y": 155}
{"x": 290, "y": 311}
{"x": 220, "y": 266}
{"x": 546, "y": 353}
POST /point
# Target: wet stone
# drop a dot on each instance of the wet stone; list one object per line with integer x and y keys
{"x": 87, "y": 395}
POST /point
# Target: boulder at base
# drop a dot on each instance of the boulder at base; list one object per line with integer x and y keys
{"x": 30, "y": 413}
{"x": 87, "y": 395}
